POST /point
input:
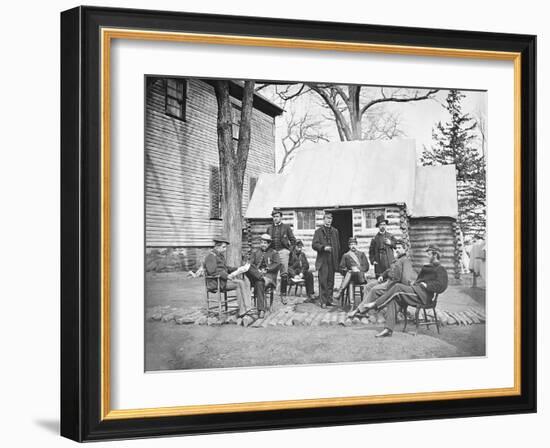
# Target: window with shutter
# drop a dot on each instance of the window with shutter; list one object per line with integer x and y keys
{"x": 176, "y": 98}
{"x": 215, "y": 193}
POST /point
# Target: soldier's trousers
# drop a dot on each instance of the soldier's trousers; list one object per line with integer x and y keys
{"x": 326, "y": 281}
{"x": 284, "y": 255}
{"x": 395, "y": 297}
{"x": 371, "y": 292}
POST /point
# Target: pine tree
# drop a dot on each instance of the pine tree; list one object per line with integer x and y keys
{"x": 455, "y": 143}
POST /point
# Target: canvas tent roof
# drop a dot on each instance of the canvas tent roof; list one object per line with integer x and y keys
{"x": 435, "y": 192}
{"x": 352, "y": 174}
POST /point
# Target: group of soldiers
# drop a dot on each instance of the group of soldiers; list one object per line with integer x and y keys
{"x": 281, "y": 254}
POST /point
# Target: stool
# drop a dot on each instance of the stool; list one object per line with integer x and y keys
{"x": 297, "y": 284}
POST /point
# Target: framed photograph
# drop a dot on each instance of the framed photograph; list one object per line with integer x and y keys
{"x": 277, "y": 224}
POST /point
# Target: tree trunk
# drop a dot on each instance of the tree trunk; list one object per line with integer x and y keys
{"x": 233, "y": 164}
{"x": 232, "y": 219}
{"x": 355, "y": 112}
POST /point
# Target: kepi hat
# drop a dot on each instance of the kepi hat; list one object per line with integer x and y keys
{"x": 433, "y": 248}
{"x": 352, "y": 239}
{"x": 276, "y": 211}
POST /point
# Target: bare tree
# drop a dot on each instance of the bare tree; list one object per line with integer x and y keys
{"x": 352, "y": 108}
{"x": 233, "y": 163}
{"x": 357, "y": 111}
{"x": 299, "y": 130}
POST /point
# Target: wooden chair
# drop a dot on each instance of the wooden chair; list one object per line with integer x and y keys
{"x": 269, "y": 289}
{"x": 225, "y": 302}
{"x": 426, "y": 321}
{"x": 351, "y": 295}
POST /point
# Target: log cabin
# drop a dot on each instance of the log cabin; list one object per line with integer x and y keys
{"x": 359, "y": 181}
{"x": 182, "y": 185}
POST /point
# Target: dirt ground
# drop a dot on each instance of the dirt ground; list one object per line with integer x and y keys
{"x": 170, "y": 346}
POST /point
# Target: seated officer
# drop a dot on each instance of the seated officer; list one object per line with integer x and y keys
{"x": 400, "y": 271}
{"x": 432, "y": 280}
{"x": 215, "y": 265}
{"x": 298, "y": 268}
{"x": 264, "y": 266}
{"x": 353, "y": 266}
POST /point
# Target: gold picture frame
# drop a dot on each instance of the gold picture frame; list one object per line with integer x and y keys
{"x": 109, "y": 25}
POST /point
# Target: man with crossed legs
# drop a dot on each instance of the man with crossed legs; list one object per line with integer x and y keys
{"x": 432, "y": 280}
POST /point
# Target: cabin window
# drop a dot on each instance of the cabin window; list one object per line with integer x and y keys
{"x": 252, "y": 180}
{"x": 215, "y": 193}
{"x": 176, "y": 98}
{"x": 305, "y": 219}
{"x": 369, "y": 217}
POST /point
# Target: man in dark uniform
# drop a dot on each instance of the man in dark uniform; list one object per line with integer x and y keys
{"x": 282, "y": 241}
{"x": 381, "y": 247}
{"x": 215, "y": 265}
{"x": 400, "y": 271}
{"x": 264, "y": 266}
{"x": 326, "y": 242}
{"x": 298, "y": 266}
{"x": 432, "y": 280}
{"x": 353, "y": 266}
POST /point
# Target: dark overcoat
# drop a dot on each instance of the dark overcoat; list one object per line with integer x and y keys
{"x": 382, "y": 252}
{"x": 324, "y": 237}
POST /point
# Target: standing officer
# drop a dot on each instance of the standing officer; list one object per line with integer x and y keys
{"x": 326, "y": 242}
{"x": 282, "y": 241}
{"x": 381, "y": 247}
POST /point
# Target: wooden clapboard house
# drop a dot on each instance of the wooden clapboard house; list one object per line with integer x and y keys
{"x": 182, "y": 185}
{"x": 359, "y": 181}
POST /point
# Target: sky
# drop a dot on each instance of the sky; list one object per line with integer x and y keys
{"x": 417, "y": 119}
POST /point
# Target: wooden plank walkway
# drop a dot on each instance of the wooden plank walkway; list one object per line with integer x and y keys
{"x": 299, "y": 314}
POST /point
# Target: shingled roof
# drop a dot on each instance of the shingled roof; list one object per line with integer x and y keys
{"x": 358, "y": 174}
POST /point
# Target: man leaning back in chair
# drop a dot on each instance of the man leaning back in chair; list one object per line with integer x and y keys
{"x": 432, "y": 280}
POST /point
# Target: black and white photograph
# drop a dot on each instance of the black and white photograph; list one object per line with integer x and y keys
{"x": 294, "y": 223}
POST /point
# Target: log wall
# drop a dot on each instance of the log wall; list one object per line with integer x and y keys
{"x": 394, "y": 214}
{"x": 440, "y": 231}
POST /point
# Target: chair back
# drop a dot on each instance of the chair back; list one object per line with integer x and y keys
{"x": 212, "y": 283}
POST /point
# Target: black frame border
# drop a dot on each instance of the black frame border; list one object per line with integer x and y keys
{"x": 81, "y": 223}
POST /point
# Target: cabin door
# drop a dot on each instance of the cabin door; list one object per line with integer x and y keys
{"x": 343, "y": 221}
